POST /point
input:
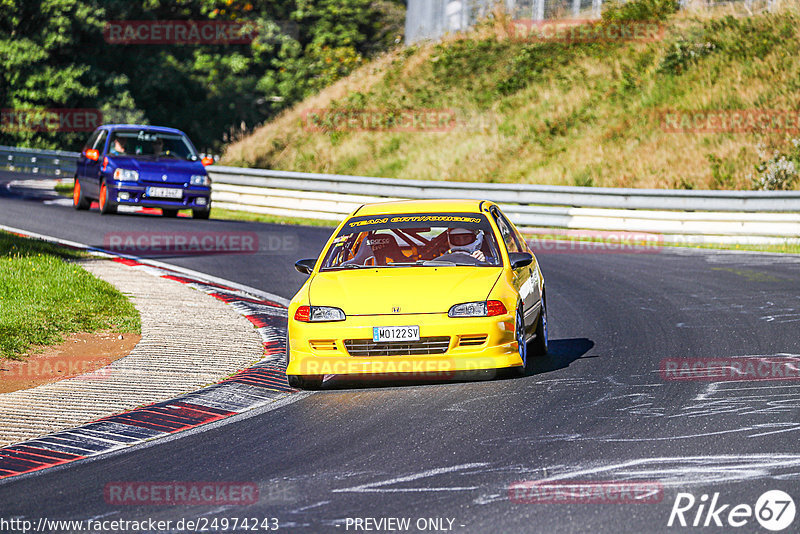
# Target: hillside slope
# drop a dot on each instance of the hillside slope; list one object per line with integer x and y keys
{"x": 579, "y": 113}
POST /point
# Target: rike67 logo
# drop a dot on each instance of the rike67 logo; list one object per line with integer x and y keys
{"x": 774, "y": 510}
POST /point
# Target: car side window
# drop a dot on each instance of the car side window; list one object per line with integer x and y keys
{"x": 100, "y": 141}
{"x": 523, "y": 245}
{"x": 92, "y": 140}
{"x": 506, "y": 230}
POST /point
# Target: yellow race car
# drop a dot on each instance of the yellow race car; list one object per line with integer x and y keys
{"x": 415, "y": 288}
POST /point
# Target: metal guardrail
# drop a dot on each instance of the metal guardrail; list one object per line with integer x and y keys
{"x": 729, "y": 216}
{"x": 722, "y": 216}
{"x": 551, "y": 195}
{"x": 45, "y": 163}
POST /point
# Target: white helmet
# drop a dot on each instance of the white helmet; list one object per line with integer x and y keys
{"x": 464, "y": 240}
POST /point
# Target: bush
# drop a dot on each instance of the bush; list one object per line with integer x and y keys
{"x": 777, "y": 172}
{"x": 682, "y": 54}
{"x": 618, "y": 10}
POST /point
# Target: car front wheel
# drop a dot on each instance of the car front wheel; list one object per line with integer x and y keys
{"x": 79, "y": 202}
{"x": 519, "y": 330}
{"x": 106, "y": 204}
{"x": 310, "y": 382}
{"x": 539, "y": 344}
{"x": 302, "y": 381}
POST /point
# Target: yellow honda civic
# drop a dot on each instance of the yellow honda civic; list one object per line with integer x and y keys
{"x": 412, "y": 288}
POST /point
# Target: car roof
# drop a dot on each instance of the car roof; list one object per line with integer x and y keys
{"x": 162, "y": 129}
{"x": 421, "y": 206}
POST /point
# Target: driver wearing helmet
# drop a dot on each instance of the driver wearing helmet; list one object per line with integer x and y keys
{"x": 466, "y": 241}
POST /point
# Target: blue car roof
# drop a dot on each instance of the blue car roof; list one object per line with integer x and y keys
{"x": 162, "y": 129}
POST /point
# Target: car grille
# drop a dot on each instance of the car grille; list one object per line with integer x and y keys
{"x": 426, "y": 345}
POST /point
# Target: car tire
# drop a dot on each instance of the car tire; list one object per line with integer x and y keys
{"x": 310, "y": 382}
{"x": 201, "y": 214}
{"x": 79, "y": 201}
{"x": 519, "y": 332}
{"x": 539, "y": 343}
{"x": 107, "y": 205}
{"x": 171, "y": 214}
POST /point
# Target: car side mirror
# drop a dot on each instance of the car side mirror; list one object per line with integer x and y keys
{"x": 307, "y": 266}
{"x": 520, "y": 259}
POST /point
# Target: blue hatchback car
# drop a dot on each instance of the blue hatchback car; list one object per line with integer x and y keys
{"x": 147, "y": 166}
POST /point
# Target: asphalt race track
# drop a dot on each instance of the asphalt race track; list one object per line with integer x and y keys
{"x": 596, "y": 409}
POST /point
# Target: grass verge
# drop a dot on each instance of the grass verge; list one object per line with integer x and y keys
{"x": 44, "y": 295}
{"x": 65, "y": 188}
{"x": 786, "y": 248}
{"x": 234, "y": 215}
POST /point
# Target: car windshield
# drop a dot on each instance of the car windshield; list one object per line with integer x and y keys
{"x": 151, "y": 144}
{"x": 414, "y": 240}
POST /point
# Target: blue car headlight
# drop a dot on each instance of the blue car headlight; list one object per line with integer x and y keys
{"x": 126, "y": 175}
{"x": 200, "y": 179}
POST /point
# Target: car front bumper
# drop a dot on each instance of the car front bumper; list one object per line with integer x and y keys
{"x": 193, "y": 197}
{"x": 321, "y": 348}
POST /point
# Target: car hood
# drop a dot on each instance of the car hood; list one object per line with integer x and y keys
{"x": 177, "y": 171}
{"x": 412, "y": 289}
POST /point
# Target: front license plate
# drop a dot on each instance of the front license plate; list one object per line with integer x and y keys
{"x": 164, "y": 192}
{"x": 395, "y": 333}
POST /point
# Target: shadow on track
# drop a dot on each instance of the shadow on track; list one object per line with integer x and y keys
{"x": 562, "y": 352}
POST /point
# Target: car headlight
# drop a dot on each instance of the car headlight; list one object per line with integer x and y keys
{"x": 126, "y": 175}
{"x": 488, "y": 308}
{"x": 200, "y": 179}
{"x": 318, "y": 314}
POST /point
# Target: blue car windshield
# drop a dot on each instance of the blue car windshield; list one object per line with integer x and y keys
{"x": 149, "y": 144}
{"x": 414, "y": 240}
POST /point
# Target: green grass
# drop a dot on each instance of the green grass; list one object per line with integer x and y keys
{"x": 43, "y": 296}
{"x": 234, "y": 215}
{"x": 64, "y": 189}
{"x": 787, "y": 248}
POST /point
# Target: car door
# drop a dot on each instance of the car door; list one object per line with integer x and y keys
{"x": 92, "y": 171}
{"x": 80, "y": 170}
{"x": 523, "y": 276}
